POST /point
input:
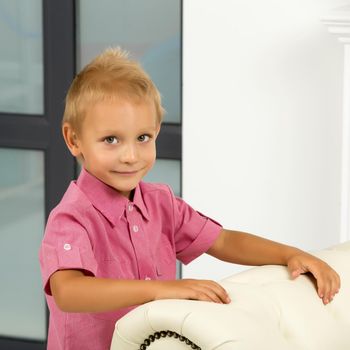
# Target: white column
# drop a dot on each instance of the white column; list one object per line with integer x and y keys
{"x": 338, "y": 23}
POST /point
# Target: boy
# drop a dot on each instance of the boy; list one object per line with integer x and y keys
{"x": 112, "y": 242}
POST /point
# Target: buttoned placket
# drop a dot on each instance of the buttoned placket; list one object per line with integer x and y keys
{"x": 140, "y": 242}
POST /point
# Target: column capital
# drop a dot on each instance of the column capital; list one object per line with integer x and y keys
{"x": 338, "y": 23}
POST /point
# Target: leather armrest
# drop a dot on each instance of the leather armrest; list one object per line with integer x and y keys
{"x": 268, "y": 311}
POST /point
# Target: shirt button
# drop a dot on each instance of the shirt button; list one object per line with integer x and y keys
{"x": 135, "y": 228}
{"x": 130, "y": 207}
{"x": 67, "y": 246}
{"x": 148, "y": 278}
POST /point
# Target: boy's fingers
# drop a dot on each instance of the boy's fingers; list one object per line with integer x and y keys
{"x": 327, "y": 289}
{"x": 328, "y": 283}
{"x": 198, "y": 295}
{"x": 212, "y": 296}
{"x": 204, "y": 294}
{"x": 335, "y": 285}
{"x": 295, "y": 268}
{"x": 221, "y": 292}
{"x": 214, "y": 291}
{"x": 296, "y": 273}
{"x": 325, "y": 295}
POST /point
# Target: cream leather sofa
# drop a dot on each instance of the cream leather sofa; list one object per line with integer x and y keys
{"x": 268, "y": 311}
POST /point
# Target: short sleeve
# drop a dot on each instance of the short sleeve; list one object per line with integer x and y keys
{"x": 66, "y": 245}
{"x": 194, "y": 233}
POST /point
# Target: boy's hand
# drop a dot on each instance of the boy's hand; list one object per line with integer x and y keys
{"x": 328, "y": 281}
{"x": 203, "y": 290}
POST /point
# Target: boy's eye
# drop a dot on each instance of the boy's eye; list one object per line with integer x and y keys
{"x": 110, "y": 140}
{"x": 144, "y": 138}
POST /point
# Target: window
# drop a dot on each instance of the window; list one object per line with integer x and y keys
{"x": 36, "y": 67}
{"x": 37, "y": 64}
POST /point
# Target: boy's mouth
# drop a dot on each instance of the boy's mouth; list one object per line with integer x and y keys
{"x": 126, "y": 173}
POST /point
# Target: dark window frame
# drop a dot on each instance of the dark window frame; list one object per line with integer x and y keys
{"x": 43, "y": 132}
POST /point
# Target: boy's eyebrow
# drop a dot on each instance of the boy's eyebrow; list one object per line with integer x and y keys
{"x": 116, "y": 131}
{"x": 153, "y": 128}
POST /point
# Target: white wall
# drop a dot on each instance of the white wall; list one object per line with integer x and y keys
{"x": 262, "y": 97}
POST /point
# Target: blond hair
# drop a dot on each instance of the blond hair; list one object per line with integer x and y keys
{"x": 110, "y": 76}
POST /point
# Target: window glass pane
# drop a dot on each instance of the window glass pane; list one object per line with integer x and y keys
{"x": 150, "y": 30}
{"x": 22, "y": 302}
{"x": 21, "y": 62}
{"x": 166, "y": 171}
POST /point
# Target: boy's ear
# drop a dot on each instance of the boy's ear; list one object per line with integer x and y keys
{"x": 158, "y": 130}
{"x": 71, "y": 139}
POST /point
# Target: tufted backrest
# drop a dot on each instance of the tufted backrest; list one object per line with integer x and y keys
{"x": 268, "y": 311}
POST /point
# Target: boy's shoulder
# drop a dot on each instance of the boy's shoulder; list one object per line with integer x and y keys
{"x": 153, "y": 188}
{"x": 73, "y": 201}
{"x": 157, "y": 194}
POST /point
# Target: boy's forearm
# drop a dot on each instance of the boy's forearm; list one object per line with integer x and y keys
{"x": 81, "y": 293}
{"x": 247, "y": 249}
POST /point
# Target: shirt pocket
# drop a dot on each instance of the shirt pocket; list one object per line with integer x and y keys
{"x": 159, "y": 269}
{"x": 165, "y": 260}
{"x": 166, "y": 269}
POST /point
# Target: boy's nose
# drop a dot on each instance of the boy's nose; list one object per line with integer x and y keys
{"x": 129, "y": 154}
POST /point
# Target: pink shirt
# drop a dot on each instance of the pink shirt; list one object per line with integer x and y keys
{"x": 97, "y": 230}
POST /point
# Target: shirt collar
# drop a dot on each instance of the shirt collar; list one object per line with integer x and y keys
{"x": 106, "y": 199}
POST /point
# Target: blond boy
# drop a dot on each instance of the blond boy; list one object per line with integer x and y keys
{"x": 113, "y": 240}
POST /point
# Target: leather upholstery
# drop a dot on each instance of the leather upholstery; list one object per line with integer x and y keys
{"x": 268, "y": 311}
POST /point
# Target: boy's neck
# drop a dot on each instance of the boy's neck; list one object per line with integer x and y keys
{"x": 131, "y": 195}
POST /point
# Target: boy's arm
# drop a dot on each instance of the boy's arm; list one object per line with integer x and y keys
{"x": 243, "y": 248}
{"x": 75, "y": 292}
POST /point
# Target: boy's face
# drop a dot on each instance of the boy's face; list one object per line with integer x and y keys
{"x": 117, "y": 143}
